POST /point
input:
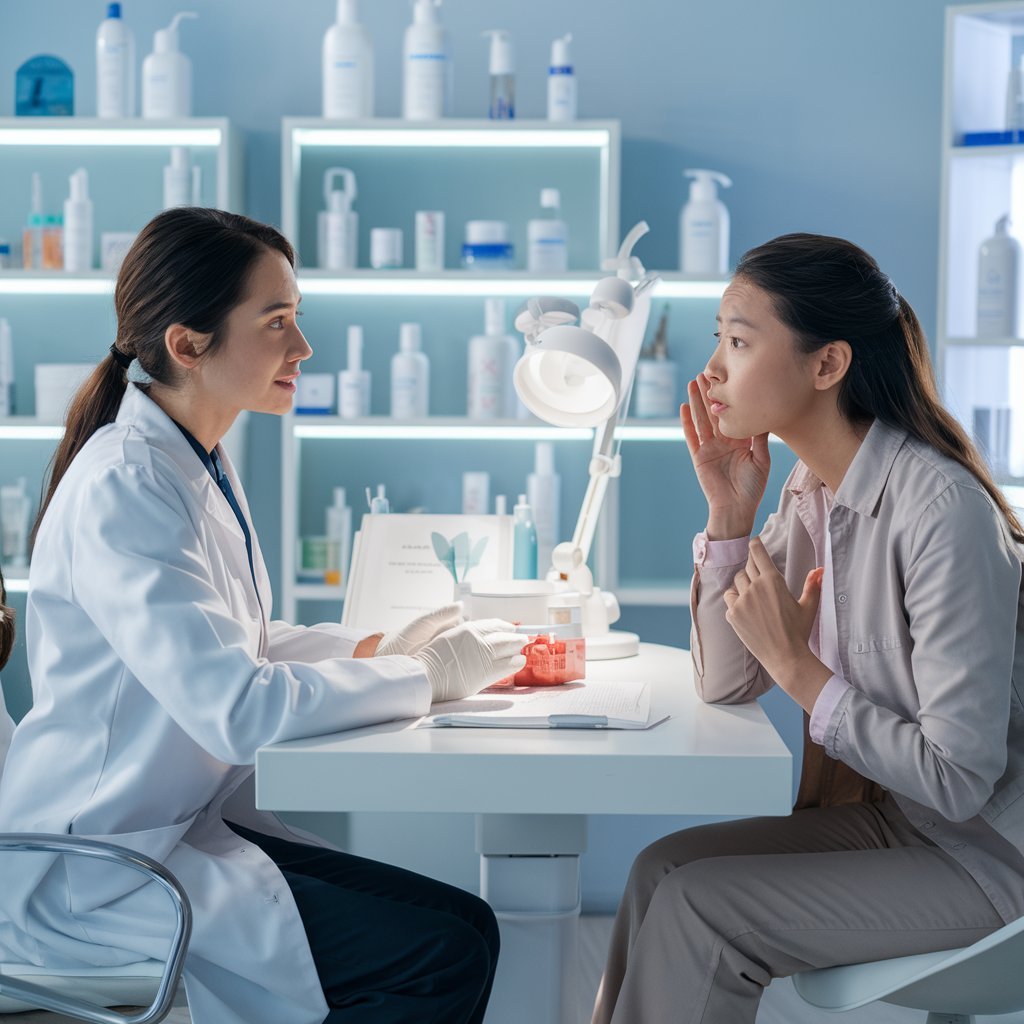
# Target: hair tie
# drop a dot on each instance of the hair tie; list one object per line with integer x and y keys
{"x": 136, "y": 374}
{"x": 121, "y": 358}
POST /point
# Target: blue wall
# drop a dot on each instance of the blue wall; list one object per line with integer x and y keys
{"x": 826, "y": 115}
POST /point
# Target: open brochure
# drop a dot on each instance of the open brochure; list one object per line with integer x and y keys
{"x": 580, "y": 705}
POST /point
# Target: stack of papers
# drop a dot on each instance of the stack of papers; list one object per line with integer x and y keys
{"x": 622, "y": 705}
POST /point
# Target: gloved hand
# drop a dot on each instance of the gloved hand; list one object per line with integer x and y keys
{"x": 470, "y": 657}
{"x": 411, "y": 637}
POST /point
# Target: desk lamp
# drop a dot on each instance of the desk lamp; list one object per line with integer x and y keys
{"x": 582, "y": 376}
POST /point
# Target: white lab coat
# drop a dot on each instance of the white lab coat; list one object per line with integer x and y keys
{"x": 156, "y": 675}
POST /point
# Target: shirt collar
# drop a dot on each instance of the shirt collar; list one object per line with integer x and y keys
{"x": 208, "y": 459}
{"x": 862, "y": 487}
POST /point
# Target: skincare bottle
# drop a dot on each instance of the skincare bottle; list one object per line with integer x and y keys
{"x": 6, "y": 369}
{"x": 704, "y": 226}
{"x": 178, "y": 179}
{"x": 410, "y": 376}
{"x": 53, "y": 242}
{"x": 167, "y": 74}
{"x": 544, "y": 490}
{"x": 999, "y": 265}
{"x": 338, "y": 224}
{"x": 503, "y": 75}
{"x": 339, "y": 535}
{"x": 347, "y": 66}
{"x": 15, "y": 506}
{"x": 379, "y": 504}
{"x": 115, "y": 66}
{"x": 655, "y": 384}
{"x": 524, "y": 542}
{"x": 489, "y": 367}
{"x": 78, "y": 224}
{"x": 476, "y": 490}
{"x": 32, "y": 235}
{"x": 547, "y": 250}
{"x": 500, "y": 505}
{"x": 354, "y": 383}
{"x": 561, "y": 82}
{"x": 1015, "y": 98}
{"x": 426, "y": 79}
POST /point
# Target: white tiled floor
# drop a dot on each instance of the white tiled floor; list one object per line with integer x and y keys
{"x": 780, "y": 1005}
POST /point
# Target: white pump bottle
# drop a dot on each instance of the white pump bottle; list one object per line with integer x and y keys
{"x": 427, "y": 65}
{"x": 167, "y": 74}
{"x": 338, "y": 224}
{"x": 78, "y": 232}
{"x": 704, "y": 226}
{"x": 347, "y": 66}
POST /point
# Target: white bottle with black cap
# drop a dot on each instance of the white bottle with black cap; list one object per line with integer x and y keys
{"x": 410, "y": 376}
{"x": 561, "y": 82}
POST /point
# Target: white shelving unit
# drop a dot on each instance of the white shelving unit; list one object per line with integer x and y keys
{"x": 308, "y": 145}
{"x": 982, "y": 378}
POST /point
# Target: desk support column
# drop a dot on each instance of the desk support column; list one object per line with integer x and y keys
{"x": 530, "y": 875}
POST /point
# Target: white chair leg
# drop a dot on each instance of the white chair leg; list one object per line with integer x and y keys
{"x": 950, "y": 1018}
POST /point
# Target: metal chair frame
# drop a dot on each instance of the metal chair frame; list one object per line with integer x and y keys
{"x": 40, "y": 997}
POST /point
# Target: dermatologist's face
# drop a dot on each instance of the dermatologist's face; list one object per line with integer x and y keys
{"x": 257, "y": 363}
{"x": 758, "y": 380}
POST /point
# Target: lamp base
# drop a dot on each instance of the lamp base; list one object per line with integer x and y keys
{"x": 615, "y": 644}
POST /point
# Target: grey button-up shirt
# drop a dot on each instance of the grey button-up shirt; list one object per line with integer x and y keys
{"x": 928, "y": 640}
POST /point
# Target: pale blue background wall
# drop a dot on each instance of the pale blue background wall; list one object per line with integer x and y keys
{"x": 825, "y": 114}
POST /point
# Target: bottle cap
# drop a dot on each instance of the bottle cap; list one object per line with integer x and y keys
{"x": 348, "y": 12}
{"x": 550, "y": 199}
{"x": 80, "y": 185}
{"x": 409, "y": 337}
{"x": 179, "y": 158}
{"x": 703, "y": 187}
{"x": 339, "y": 497}
{"x": 486, "y": 232}
{"x": 355, "y": 348}
{"x": 424, "y": 12}
{"x": 1003, "y": 225}
{"x": 113, "y": 10}
{"x": 503, "y": 54}
{"x": 560, "y": 57}
{"x": 521, "y": 503}
{"x": 494, "y": 317}
{"x": 544, "y": 459}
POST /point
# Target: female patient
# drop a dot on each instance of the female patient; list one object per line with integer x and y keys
{"x": 156, "y": 675}
{"x": 883, "y": 597}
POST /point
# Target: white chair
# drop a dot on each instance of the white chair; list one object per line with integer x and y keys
{"x": 951, "y": 985}
{"x": 85, "y": 993}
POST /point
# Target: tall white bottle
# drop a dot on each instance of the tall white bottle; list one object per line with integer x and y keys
{"x": 178, "y": 179}
{"x": 347, "y": 66}
{"x": 426, "y": 77}
{"x": 704, "y": 226}
{"x": 489, "y": 366}
{"x": 410, "y": 376}
{"x": 115, "y": 66}
{"x": 78, "y": 224}
{"x": 338, "y": 224}
{"x": 167, "y": 74}
{"x": 544, "y": 492}
{"x": 7, "y": 407}
{"x": 547, "y": 237}
{"x": 999, "y": 266}
{"x": 561, "y": 82}
{"x": 354, "y": 382}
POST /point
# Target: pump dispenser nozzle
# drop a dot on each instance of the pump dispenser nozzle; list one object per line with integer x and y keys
{"x": 702, "y": 187}
{"x": 165, "y": 40}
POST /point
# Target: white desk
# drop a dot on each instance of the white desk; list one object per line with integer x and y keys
{"x": 531, "y": 790}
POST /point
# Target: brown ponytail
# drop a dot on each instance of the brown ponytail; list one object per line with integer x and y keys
{"x": 188, "y": 265}
{"x": 7, "y": 629}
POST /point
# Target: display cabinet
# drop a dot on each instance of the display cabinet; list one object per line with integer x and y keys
{"x": 982, "y": 180}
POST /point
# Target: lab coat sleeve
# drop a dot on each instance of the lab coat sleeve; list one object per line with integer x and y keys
{"x": 725, "y": 671}
{"x": 141, "y": 573}
{"x": 961, "y": 600}
{"x": 312, "y": 643}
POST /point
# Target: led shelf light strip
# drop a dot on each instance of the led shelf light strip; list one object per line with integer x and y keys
{"x": 128, "y": 136}
{"x": 55, "y": 283}
{"x": 465, "y": 138}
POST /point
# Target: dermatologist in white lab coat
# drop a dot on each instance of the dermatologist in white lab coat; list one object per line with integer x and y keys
{"x": 156, "y": 675}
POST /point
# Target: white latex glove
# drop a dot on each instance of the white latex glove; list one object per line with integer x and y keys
{"x": 413, "y": 635}
{"x": 471, "y": 656}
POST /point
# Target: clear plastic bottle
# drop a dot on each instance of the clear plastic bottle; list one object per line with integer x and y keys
{"x": 503, "y": 75}
{"x": 524, "y": 541}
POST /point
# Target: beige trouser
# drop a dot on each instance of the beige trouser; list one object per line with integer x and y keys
{"x": 711, "y": 914}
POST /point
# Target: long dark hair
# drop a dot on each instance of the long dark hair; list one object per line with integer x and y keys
{"x": 190, "y": 266}
{"x": 828, "y": 289}
{"x": 7, "y": 630}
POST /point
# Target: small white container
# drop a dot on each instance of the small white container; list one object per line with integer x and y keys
{"x": 114, "y": 246}
{"x": 487, "y": 246}
{"x": 476, "y": 493}
{"x": 354, "y": 383}
{"x": 56, "y": 385}
{"x": 115, "y": 66}
{"x": 410, "y": 376}
{"x": 547, "y": 237}
{"x": 78, "y": 234}
{"x": 429, "y": 240}
{"x": 386, "y": 248}
{"x": 314, "y": 394}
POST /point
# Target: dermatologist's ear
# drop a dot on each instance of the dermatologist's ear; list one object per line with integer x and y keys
{"x": 185, "y": 347}
{"x": 833, "y": 363}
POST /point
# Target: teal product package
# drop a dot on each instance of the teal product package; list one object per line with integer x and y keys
{"x": 44, "y": 86}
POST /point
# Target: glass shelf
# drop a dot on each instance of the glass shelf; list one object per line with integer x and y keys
{"x": 93, "y": 131}
{"x": 16, "y": 579}
{"x": 29, "y": 428}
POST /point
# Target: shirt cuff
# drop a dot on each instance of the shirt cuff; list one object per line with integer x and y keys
{"x": 826, "y": 703}
{"x": 714, "y": 554}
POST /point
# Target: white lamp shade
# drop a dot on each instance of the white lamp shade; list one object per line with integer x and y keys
{"x": 570, "y": 377}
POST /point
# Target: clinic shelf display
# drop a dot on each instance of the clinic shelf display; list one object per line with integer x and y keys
{"x": 980, "y": 342}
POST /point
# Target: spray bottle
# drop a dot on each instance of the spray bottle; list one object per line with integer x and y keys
{"x": 338, "y": 224}
{"x": 503, "y": 75}
{"x": 167, "y": 74}
{"x": 704, "y": 226}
